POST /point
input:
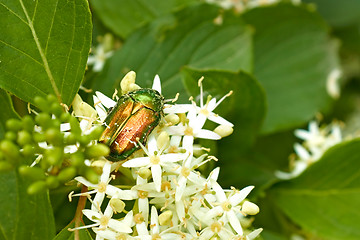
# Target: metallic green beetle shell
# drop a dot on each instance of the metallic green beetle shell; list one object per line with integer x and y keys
{"x": 131, "y": 120}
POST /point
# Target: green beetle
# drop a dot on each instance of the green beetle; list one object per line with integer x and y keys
{"x": 132, "y": 119}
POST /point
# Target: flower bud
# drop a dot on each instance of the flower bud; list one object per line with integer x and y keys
{"x": 70, "y": 139}
{"x": 24, "y": 138}
{"x": 74, "y": 125}
{"x": 41, "y": 103}
{"x": 91, "y": 175}
{"x": 172, "y": 118}
{"x": 96, "y": 133}
{"x": 54, "y": 136}
{"x": 53, "y": 156}
{"x": 83, "y": 109}
{"x": 10, "y": 136}
{"x": 28, "y": 123}
{"x": 5, "y": 166}
{"x": 33, "y": 173}
{"x": 96, "y": 151}
{"x": 56, "y": 109}
{"x": 28, "y": 150}
{"x": 165, "y": 218}
{"x": 37, "y": 187}
{"x": 224, "y": 130}
{"x": 9, "y": 149}
{"x": 39, "y": 137}
{"x": 65, "y": 116}
{"x": 44, "y": 120}
{"x": 117, "y": 205}
{"x": 250, "y": 208}
{"x": 127, "y": 80}
{"x": 145, "y": 173}
{"x": 67, "y": 174}
{"x": 14, "y": 124}
{"x": 52, "y": 182}
{"x": 163, "y": 140}
{"x": 77, "y": 159}
{"x": 51, "y": 99}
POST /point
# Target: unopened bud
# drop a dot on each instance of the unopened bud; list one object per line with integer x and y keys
{"x": 28, "y": 150}
{"x": 23, "y": 138}
{"x": 83, "y": 109}
{"x": 145, "y": 173}
{"x": 52, "y": 182}
{"x": 42, "y": 103}
{"x": 165, "y": 218}
{"x": 28, "y": 123}
{"x": 172, "y": 118}
{"x": 53, "y": 156}
{"x": 5, "y": 166}
{"x": 67, "y": 174}
{"x": 117, "y": 205}
{"x": 54, "y": 136}
{"x": 9, "y": 149}
{"x": 33, "y": 173}
{"x": 96, "y": 151}
{"x": 250, "y": 208}
{"x": 77, "y": 159}
{"x": 37, "y": 187}
{"x": 91, "y": 175}
{"x": 96, "y": 133}
{"x": 163, "y": 140}
{"x": 43, "y": 119}
{"x": 10, "y": 136}
{"x": 127, "y": 81}
{"x": 75, "y": 125}
{"x": 14, "y": 124}
{"x": 224, "y": 130}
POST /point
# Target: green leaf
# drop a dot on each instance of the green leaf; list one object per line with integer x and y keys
{"x": 325, "y": 199}
{"x": 338, "y": 13}
{"x": 7, "y": 111}
{"x": 65, "y": 234}
{"x": 44, "y": 47}
{"x": 293, "y": 58}
{"x": 123, "y": 16}
{"x": 193, "y": 39}
{"x": 23, "y": 216}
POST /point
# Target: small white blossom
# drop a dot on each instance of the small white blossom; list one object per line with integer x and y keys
{"x": 316, "y": 142}
{"x": 99, "y": 57}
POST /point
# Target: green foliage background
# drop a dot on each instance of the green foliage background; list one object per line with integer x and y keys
{"x": 275, "y": 58}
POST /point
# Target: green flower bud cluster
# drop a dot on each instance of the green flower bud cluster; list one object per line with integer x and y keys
{"x": 46, "y": 155}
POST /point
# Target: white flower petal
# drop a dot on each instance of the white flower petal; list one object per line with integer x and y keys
{"x": 234, "y": 222}
{"x": 219, "y": 120}
{"x": 220, "y": 194}
{"x": 142, "y": 229}
{"x": 99, "y": 198}
{"x": 154, "y": 220}
{"x": 176, "y": 130}
{"x": 64, "y": 127}
{"x": 156, "y": 174}
{"x": 178, "y": 108}
{"x": 240, "y": 196}
{"x": 99, "y": 109}
{"x": 157, "y": 84}
{"x": 106, "y": 172}
{"x": 137, "y": 162}
{"x": 92, "y": 215}
{"x": 172, "y": 157}
{"x": 180, "y": 189}
{"x": 254, "y": 234}
{"x": 143, "y": 204}
{"x": 207, "y": 134}
{"x": 152, "y": 144}
{"x": 106, "y": 101}
{"x": 119, "y": 226}
{"x": 85, "y": 182}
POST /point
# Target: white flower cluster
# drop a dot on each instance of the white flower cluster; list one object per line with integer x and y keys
{"x": 316, "y": 141}
{"x": 171, "y": 199}
{"x": 242, "y": 5}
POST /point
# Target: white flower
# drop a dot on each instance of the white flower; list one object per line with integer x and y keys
{"x": 316, "y": 142}
{"x": 192, "y": 130}
{"x": 104, "y": 188}
{"x": 155, "y": 160}
{"x": 332, "y": 83}
{"x": 104, "y": 221}
{"x": 99, "y": 57}
{"x": 229, "y": 206}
